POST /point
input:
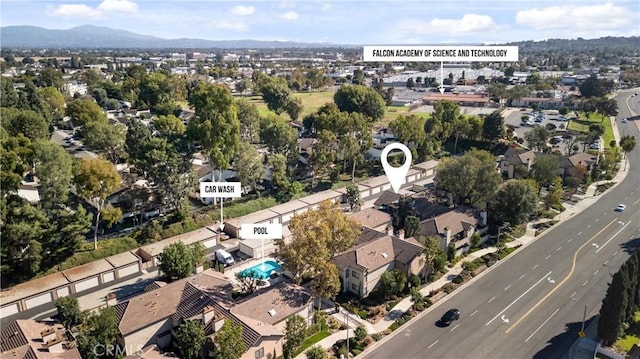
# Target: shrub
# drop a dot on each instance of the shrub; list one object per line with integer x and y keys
{"x": 419, "y": 306}
{"x": 393, "y": 327}
{"x": 458, "y": 279}
{"x": 376, "y": 336}
{"x": 360, "y": 332}
{"x": 415, "y": 281}
{"x": 470, "y": 266}
{"x": 355, "y": 352}
{"x": 415, "y": 294}
{"x": 389, "y": 330}
{"x": 449, "y": 287}
{"x": 363, "y": 314}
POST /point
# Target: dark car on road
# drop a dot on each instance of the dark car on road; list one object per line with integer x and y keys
{"x": 449, "y": 317}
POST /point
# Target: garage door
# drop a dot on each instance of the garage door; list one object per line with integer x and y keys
{"x": 412, "y": 178}
{"x": 286, "y": 217}
{"x": 63, "y": 292}
{"x": 9, "y": 310}
{"x": 108, "y": 277}
{"x": 39, "y": 300}
{"x": 386, "y": 187}
{"x": 128, "y": 270}
{"x": 375, "y": 190}
{"x": 210, "y": 243}
{"x": 86, "y": 284}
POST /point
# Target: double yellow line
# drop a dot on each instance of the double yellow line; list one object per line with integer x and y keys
{"x": 573, "y": 267}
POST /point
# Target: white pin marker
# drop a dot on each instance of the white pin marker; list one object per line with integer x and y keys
{"x": 397, "y": 175}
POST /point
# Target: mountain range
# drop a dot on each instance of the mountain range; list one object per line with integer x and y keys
{"x": 89, "y": 36}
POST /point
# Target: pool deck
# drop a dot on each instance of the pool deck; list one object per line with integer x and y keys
{"x": 231, "y": 272}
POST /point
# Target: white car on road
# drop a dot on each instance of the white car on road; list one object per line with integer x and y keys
{"x": 621, "y": 207}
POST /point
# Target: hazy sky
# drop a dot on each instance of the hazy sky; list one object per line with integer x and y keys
{"x": 356, "y": 22}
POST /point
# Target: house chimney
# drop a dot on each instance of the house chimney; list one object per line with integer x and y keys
{"x": 390, "y": 230}
{"x": 48, "y": 334}
{"x": 483, "y": 218}
{"x": 528, "y": 164}
{"x": 207, "y": 315}
{"x": 111, "y": 299}
{"x": 447, "y": 236}
{"x": 401, "y": 234}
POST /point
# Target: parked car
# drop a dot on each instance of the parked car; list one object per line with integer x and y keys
{"x": 624, "y": 120}
{"x": 224, "y": 257}
{"x": 450, "y": 316}
{"x": 621, "y": 207}
{"x": 555, "y": 140}
{"x": 594, "y": 146}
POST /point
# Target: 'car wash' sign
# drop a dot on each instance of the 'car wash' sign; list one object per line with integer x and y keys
{"x": 220, "y": 189}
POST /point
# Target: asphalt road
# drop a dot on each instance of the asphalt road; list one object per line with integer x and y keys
{"x": 532, "y": 304}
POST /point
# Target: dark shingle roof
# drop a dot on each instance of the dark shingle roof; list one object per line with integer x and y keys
{"x": 386, "y": 198}
{"x": 12, "y": 337}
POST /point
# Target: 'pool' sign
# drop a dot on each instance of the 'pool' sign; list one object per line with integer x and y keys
{"x": 220, "y": 189}
{"x": 261, "y": 231}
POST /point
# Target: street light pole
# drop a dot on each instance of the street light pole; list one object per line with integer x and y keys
{"x": 346, "y": 313}
{"x": 584, "y": 317}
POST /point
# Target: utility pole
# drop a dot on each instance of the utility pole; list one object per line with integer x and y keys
{"x": 584, "y": 317}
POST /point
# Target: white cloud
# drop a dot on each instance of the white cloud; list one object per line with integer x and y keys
{"x": 243, "y": 10}
{"x": 231, "y": 25}
{"x": 86, "y": 11}
{"x": 125, "y": 6}
{"x": 468, "y": 24}
{"x": 76, "y": 10}
{"x": 325, "y": 7}
{"x": 287, "y": 5}
{"x": 290, "y": 15}
{"x": 605, "y": 16}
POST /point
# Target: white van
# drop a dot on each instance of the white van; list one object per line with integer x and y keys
{"x": 224, "y": 257}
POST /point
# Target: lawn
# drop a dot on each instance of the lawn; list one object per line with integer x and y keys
{"x": 632, "y": 335}
{"x": 582, "y": 125}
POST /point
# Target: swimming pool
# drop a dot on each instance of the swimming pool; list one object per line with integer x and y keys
{"x": 263, "y": 270}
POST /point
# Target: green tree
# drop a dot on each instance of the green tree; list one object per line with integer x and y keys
{"x": 106, "y": 139}
{"x": 84, "y": 111}
{"x": 554, "y": 195}
{"x": 29, "y": 123}
{"x": 471, "y": 178}
{"x": 98, "y": 329}
{"x": 249, "y": 118}
{"x": 411, "y": 226}
{"x": 545, "y": 170}
{"x": 276, "y": 95}
{"x": 176, "y": 261}
{"x": 595, "y": 87}
{"x": 515, "y": 201}
{"x": 317, "y": 236}
{"x": 54, "y": 168}
{"x": 323, "y": 155}
{"x": 493, "y": 126}
{"x": 169, "y": 126}
{"x": 229, "y": 341}
{"x": 440, "y": 124}
{"x": 326, "y": 281}
{"x": 391, "y": 283}
{"x": 435, "y": 257}
{"x": 409, "y": 130}
{"x": 95, "y": 180}
{"x": 8, "y": 93}
{"x": 280, "y": 138}
{"x": 627, "y": 143}
{"x": 537, "y": 138}
{"x": 215, "y": 125}
{"x": 249, "y": 166}
{"x": 69, "y": 311}
{"x": 54, "y": 102}
{"x": 361, "y": 99}
{"x": 293, "y": 108}
{"x": 50, "y": 77}
{"x": 353, "y": 197}
{"x": 294, "y": 333}
{"x": 247, "y": 281}
{"x": 279, "y": 177}
{"x": 360, "y": 332}
{"x": 190, "y": 338}
{"x": 612, "y": 312}
{"x": 316, "y": 352}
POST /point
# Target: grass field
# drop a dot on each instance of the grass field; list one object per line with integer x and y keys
{"x": 632, "y": 335}
{"x": 582, "y": 125}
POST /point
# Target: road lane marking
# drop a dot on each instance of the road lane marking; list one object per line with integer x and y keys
{"x": 636, "y": 202}
{"x": 605, "y": 262}
{"x": 585, "y": 282}
{"x": 507, "y": 287}
{"x": 535, "y": 266}
{"x": 569, "y": 241}
{"x": 522, "y": 276}
{"x": 541, "y": 325}
{"x": 558, "y": 249}
{"x": 520, "y": 297}
{"x": 612, "y": 237}
{"x": 547, "y": 257}
{"x": 573, "y": 268}
{"x": 579, "y": 233}
{"x": 615, "y": 253}
{"x": 491, "y": 300}
{"x": 589, "y": 226}
{"x": 596, "y": 272}
{"x": 572, "y": 294}
{"x": 474, "y": 313}
{"x": 454, "y": 328}
{"x": 432, "y": 344}
{"x": 597, "y": 219}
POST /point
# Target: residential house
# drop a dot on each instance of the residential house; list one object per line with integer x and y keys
{"x": 362, "y": 266}
{"x": 452, "y": 225}
{"x": 516, "y": 162}
{"x": 568, "y": 164}
{"x": 386, "y": 199}
{"x": 372, "y": 218}
{"x": 152, "y": 317}
{"x": 30, "y": 339}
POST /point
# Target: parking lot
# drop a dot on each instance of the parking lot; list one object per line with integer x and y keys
{"x": 514, "y": 119}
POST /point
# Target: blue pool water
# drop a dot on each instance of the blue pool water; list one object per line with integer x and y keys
{"x": 263, "y": 270}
